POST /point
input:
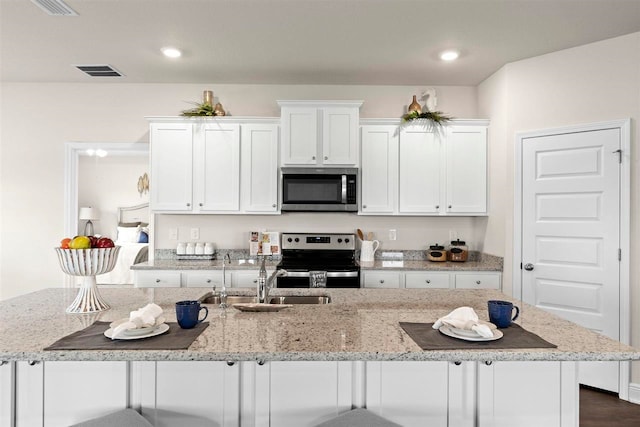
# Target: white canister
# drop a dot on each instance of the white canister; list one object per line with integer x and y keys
{"x": 181, "y": 249}
{"x": 199, "y": 249}
{"x": 191, "y": 249}
{"x": 367, "y": 250}
{"x": 208, "y": 248}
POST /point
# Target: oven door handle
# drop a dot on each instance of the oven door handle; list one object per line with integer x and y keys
{"x": 329, "y": 273}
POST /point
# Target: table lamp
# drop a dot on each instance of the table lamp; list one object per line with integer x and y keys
{"x": 89, "y": 214}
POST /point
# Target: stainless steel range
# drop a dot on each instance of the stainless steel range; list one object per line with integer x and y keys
{"x": 319, "y": 260}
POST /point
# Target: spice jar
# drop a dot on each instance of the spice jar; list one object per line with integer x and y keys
{"x": 437, "y": 253}
{"x": 458, "y": 251}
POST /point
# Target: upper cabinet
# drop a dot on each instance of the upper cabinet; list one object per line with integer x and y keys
{"x": 410, "y": 170}
{"x": 320, "y": 133}
{"x": 214, "y": 165}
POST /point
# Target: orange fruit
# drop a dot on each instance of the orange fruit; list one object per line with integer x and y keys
{"x": 64, "y": 243}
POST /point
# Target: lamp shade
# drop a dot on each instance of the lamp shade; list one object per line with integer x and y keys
{"x": 90, "y": 214}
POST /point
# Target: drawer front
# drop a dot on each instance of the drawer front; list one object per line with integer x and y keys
{"x": 426, "y": 280}
{"x": 386, "y": 279}
{"x": 157, "y": 279}
{"x": 245, "y": 279}
{"x": 478, "y": 281}
{"x": 203, "y": 279}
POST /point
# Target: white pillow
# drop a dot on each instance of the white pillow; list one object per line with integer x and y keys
{"x": 128, "y": 234}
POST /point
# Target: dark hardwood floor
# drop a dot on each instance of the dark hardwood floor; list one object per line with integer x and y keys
{"x": 603, "y": 409}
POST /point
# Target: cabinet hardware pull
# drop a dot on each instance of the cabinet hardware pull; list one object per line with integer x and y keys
{"x": 449, "y": 206}
{"x": 364, "y": 206}
{"x": 477, "y": 282}
{"x": 260, "y": 362}
{"x": 381, "y": 281}
{"x": 326, "y": 157}
{"x": 201, "y": 204}
{"x": 188, "y": 204}
{"x": 3, "y": 362}
{"x": 457, "y": 362}
{"x": 33, "y": 362}
{"x": 230, "y": 363}
{"x": 488, "y": 362}
{"x": 255, "y": 280}
{"x": 428, "y": 281}
{"x": 157, "y": 280}
{"x": 273, "y": 205}
{"x": 437, "y": 206}
{"x": 313, "y": 157}
{"x": 208, "y": 280}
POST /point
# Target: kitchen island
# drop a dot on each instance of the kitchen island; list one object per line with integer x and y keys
{"x": 299, "y": 366}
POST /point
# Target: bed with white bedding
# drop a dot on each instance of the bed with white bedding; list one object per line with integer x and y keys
{"x": 133, "y": 238}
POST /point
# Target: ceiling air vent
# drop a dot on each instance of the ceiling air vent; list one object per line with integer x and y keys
{"x": 99, "y": 70}
{"x": 55, "y": 7}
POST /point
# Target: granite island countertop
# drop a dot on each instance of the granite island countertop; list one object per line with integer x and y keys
{"x": 358, "y": 324}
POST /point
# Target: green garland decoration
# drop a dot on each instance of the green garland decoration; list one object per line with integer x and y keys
{"x": 201, "y": 109}
{"x": 437, "y": 119}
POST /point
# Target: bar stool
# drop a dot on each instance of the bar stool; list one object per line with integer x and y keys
{"x": 358, "y": 418}
{"x": 123, "y": 418}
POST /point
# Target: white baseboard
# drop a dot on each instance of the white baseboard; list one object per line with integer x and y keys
{"x": 634, "y": 393}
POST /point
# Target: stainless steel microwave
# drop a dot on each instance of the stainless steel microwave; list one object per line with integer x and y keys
{"x": 320, "y": 189}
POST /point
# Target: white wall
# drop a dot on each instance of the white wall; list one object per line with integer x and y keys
{"x": 32, "y": 148}
{"x": 107, "y": 183}
{"x": 591, "y": 83}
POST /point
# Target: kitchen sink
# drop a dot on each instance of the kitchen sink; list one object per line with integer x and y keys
{"x": 301, "y": 299}
{"x": 290, "y": 299}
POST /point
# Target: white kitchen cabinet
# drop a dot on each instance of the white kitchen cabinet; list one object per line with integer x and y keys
{"x": 7, "y": 375}
{"x": 426, "y": 280}
{"x": 466, "y": 153}
{"x": 527, "y": 394}
{"x": 171, "y": 171}
{"x": 156, "y": 279}
{"x": 29, "y": 394}
{"x": 216, "y": 166}
{"x": 379, "y": 171}
{"x": 381, "y": 279}
{"x": 298, "y": 394}
{"x": 477, "y": 280}
{"x": 420, "y": 171}
{"x": 318, "y": 133}
{"x": 259, "y": 168}
{"x": 202, "y": 279}
{"x": 189, "y": 393}
{"x": 410, "y": 393}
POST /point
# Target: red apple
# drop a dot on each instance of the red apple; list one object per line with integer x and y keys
{"x": 105, "y": 242}
{"x": 94, "y": 241}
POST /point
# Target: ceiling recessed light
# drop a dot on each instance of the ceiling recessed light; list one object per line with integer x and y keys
{"x": 449, "y": 55}
{"x": 171, "y": 52}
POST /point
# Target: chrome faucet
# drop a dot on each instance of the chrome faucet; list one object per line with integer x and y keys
{"x": 265, "y": 284}
{"x": 223, "y": 291}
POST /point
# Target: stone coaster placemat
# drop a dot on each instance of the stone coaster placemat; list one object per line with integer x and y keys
{"x": 515, "y": 336}
{"x": 92, "y": 338}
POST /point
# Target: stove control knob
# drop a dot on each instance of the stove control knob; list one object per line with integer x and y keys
{"x": 346, "y": 240}
{"x": 339, "y": 240}
{"x": 297, "y": 240}
{"x": 289, "y": 240}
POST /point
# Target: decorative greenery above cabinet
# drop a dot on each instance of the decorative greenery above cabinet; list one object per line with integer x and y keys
{"x": 320, "y": 133}
{"x": 410, "y": 170}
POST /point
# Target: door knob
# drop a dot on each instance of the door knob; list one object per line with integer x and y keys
{"x": 528, "y": 266}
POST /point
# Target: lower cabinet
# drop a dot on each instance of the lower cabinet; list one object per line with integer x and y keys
{"x": 431, "y": 279}
{"x": 195, "y": 278}
{"x": 251, "y": 394}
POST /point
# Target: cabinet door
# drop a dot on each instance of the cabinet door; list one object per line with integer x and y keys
{"x": 420, "y": 180}
{"x": 217, "y": 168}
{"x": 299, "y": 135}
{"x": 156, "y": 279}
{"x": 466, "y": 149}
{"x": 79, "y": 391}
{"x": 198, "y": 393}
{"x": 525, "y": 394}
{"x": 202, "y": 279}
{"x": 379, "y": 172}
{"x": 6, "y": 392}
{"x": 304, "y": 393}
{"x": 29, "y": 394}
{"x": 408, "y": 393}
{"x": 171, "y": 172}
{"x": 340, "y": 136}
{"x": 381, "y": 279}
{"x": 259, "y": 168}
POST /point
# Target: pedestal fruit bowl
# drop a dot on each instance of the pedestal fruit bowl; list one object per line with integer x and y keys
{"x": 87, "y": 263}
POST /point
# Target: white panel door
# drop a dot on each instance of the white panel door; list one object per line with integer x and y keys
{"x": 217, "y": 173}
{"x": 379, "y": 180}
{"x": 466, "y": 148}
{"x": 420, "y": 160}
{"x": 299, "y": 135}
{"x": 340, "y": 136}
{"x": 259, "y": 168}
{"x": 171, "y": 172}
{"x": 570, "y": 223}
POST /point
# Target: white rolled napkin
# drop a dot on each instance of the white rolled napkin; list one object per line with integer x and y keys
{"x": 464, "y": 318}
{"x": 147, "y": 316}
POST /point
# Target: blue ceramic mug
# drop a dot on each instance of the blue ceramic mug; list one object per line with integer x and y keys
{"x": 500, "y": 313}
{"x": 188, "y": 313}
